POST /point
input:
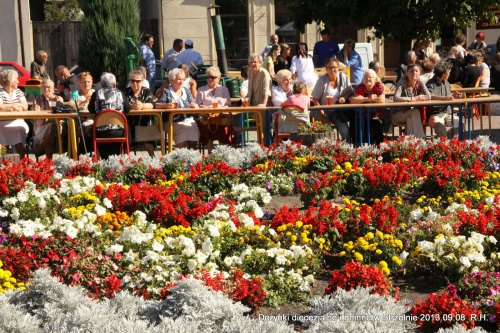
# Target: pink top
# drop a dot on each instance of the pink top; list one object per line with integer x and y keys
{"x": 300, "y": 100}
{"x": 221, "y": 96}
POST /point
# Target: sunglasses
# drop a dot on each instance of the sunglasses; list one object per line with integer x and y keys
{"x": 212, "y": 77}
{"x": 136, "y": 81}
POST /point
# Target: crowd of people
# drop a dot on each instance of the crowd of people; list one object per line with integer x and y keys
{"x": 272, "y": 78}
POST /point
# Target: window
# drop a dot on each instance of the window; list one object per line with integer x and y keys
{"x": 234, "y": 18}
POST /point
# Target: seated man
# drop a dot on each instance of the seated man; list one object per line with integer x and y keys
{"x": 439, "y": 117}
{"x": 66, "y": 83}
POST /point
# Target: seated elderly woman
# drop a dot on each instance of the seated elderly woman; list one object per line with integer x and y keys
{"x": 108, "y": 97}
{"x": 140, "y": 98}
{"x": 284, "y": 88}
{"x": 46, "y": 130}
{"x": 214, "y": 127}
{"x": 410, "y": 89}
{"x": 84, "y": 94}
{"x": 335, "y": 86}
{"x": 371, "y": 91}
{"x": 186, "y": 131}
{"x": 12, "y": 132}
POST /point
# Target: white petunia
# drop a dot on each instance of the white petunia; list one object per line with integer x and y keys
{"x": 416, "y": 214}
{"x": 157, "y": 246}
{"x": 192, "y": 264}
{"x": 490, "y": 200}
{"x": 41, "y": 203}
{"x": 130, "y": 255}
{"x": 465, "y": 262}
{"x": 107, "y": 203}
{"x": 115, "y": 248}
{"x": 492, "y": 239}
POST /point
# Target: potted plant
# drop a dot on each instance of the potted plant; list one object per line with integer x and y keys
{"x": 311, "y": 132}
{"x": 4, "y": 156}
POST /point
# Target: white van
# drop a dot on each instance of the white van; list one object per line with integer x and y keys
{"x": 365, "y": 51}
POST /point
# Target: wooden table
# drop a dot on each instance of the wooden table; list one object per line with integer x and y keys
{"x": 45, "y": 114}
{"x": 233, "y": 110}
{"x": 365, "y": 108}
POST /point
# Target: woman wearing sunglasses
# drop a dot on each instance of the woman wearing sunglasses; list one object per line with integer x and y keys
{"x": 216, "y": 126}
{"x": 140, "y": 98}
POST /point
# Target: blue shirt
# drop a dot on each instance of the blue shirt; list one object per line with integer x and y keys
{"x": 324, "y": 50}
{"x": 354, "y": 61}
{"x": 149, "y": 57}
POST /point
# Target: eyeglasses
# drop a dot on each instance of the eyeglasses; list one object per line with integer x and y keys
{"x": 136, "y": 81}
{"x": 212, "y": 77}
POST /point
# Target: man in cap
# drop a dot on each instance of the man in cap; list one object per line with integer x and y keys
{"x": 189, "y": 56}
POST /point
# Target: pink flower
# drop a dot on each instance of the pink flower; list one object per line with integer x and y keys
{"x": 118, "y": 256}
{"x": 77, "y": 276}
{"x": 106, "y": 258}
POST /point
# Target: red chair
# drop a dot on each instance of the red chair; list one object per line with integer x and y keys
{"x": 111, "y": 117}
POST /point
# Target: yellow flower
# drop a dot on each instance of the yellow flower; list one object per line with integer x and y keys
{"x": 378, "y": 251}
{"x": 382, "y": 264}
{"x": 293, "y": 238}
{"x": 369, "y": 235}
{"x": 386, "y": 271}
{"x": 299, "y": 224}
{"x": 342, "y": 253}
{"x": 322, "y": 240}
{"x": 358, "y": 256}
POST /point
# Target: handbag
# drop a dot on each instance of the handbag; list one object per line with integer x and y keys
{"x": 63, "y": 109}
{"x": 147, "y": 133}
{"x": 215, "y": 119}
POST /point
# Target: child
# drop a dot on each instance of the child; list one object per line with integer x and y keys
{"x": 299, "y": 96}
{"x": 244, "y": 85}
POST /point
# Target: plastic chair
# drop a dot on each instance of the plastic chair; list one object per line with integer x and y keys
{"x": 289, "y": 117}
{"x": 111, "y": 117}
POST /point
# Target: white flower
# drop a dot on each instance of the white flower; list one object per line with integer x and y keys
{"x": 490, "y": 200}
{"x": 192, "y": 264}
{"x": 107, "y": 203}
{"x": 3, "y": 213}
{"x": 157, "y": 246}
{"x": 22, "y": 196}
{"x": 201, "y": 257}
{"x": 416, "y": 214}
{"x": 403, "y": 256}
{"x": 114, "y": 249}
{"x": 214, "y": 231}
{"x": 309, "y": 279}
{"x": 99, "y": 210}
{"x": 228, "y": 261}
{"x": 492, "y": 239}
{"x": 465, "y": 262}
{"x": 432, "y": 215}
{"x": 272, "y": 232}
{"x": 231, "y": 226}
{"x": 246, "y": 276}
{"x": 207, "y": 246}
{"x": 246, "y": 220}
{"x": 281, "y": 259}
{"x": 15, "y": 228}
{"x": 41, "y": 203}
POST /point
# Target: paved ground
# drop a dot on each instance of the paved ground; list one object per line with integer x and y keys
{"x": 495, "y": 130}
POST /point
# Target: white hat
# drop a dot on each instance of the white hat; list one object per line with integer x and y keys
{"x": 188, "y": 42}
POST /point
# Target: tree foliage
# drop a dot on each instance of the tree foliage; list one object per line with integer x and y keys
{"x": 397, "y": 20}
{"x": 106, "y": 24}
{"x": 59, "y": 11}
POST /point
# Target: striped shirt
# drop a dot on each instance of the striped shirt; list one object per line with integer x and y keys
{"x": 17, "y": 96}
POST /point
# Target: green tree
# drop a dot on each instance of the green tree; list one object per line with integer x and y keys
{"x": 59, "y": 11}
{"x": 106, "y": 24}
{"x": 396, "y": 20}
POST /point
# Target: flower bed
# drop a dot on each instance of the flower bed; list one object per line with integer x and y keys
{"x": 142, "y": 226}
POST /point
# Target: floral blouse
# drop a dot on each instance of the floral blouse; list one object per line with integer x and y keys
{"x": 168, "y": 95}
